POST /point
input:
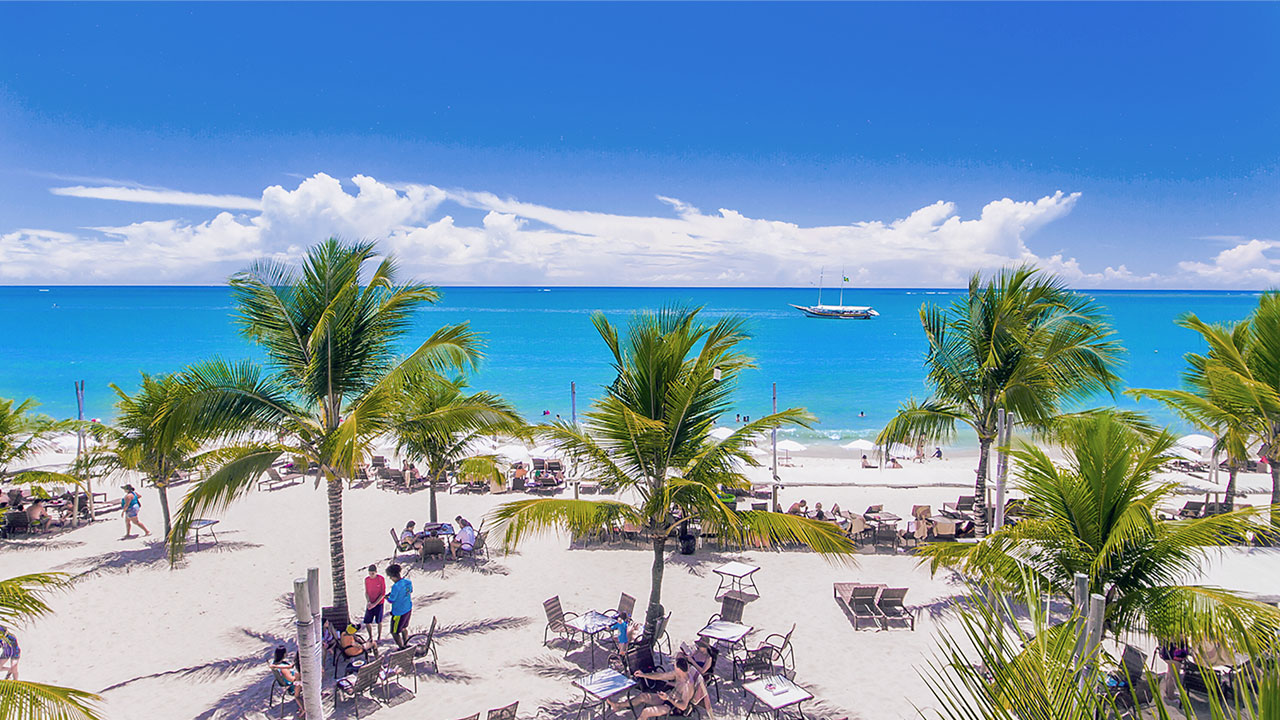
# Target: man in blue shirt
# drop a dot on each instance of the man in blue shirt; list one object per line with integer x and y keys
{"x": 401, "y": 601}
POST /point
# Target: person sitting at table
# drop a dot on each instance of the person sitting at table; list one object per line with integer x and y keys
{"x": 818, "y": 514}
{"x": 800, "y": 508}
{"x": 410, "y": 538}
{"x": 465, "y": 539}
{"x": 867, "y": 463}
{"x": 353, "y": 646}
{"x": 677, "y": 702}
{"x": 287, "y": 673}
{"x": 702, "y": 655}
{"x": 38, "y": 515}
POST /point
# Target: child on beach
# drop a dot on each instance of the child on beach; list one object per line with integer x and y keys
{"x": 401, "y": 601}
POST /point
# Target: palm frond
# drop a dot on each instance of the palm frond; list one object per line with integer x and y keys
{"x": 24, "y": 597}
{"x": 238, "y": 469}
{"x": 24, "y": 700}
{"x": 521, "y": 519}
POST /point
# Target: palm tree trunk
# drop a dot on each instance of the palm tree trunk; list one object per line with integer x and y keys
{"x": 337, "y": 555}
{"x": 163, "y": 489}
{"x": 980, "y": 487}
{"x": 1232, "y": 471}
{"x": 653, "y": 614}
{"x": 435, "y": 477}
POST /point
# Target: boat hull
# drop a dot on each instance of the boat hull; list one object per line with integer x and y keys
{"x": 837, "y": 312}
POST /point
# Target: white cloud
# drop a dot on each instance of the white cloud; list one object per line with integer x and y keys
{"x": 158, "y": 196}
{"x": 1247, "y": 264}
{"x": 525, "y": 243}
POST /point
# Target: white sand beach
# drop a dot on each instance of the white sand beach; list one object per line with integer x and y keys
{"x": 193, "y": 641}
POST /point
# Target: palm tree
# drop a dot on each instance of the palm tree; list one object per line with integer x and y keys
{"x": 1021, "y": 342}
{"x": 23, "y": 598}
{"x": 1203, "y": 402}
{"x": 23, "y": 435}
{"x": 1010, "y": 659}
{"x": 1096, "y": 514}
{"x": 334, "y": 384}
{"x": 438, "y": 422}
{"x": 1241, "y": 378}
{"x": 137, "y": 441}
{"x": 648, "y": 435}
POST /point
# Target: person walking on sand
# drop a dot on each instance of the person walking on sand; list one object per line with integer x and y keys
{"x": 130, "y": 504}
{"x": 401, "y": 599}
{"x": 375, "y": 592}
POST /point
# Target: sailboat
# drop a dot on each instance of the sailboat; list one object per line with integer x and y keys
{"x": 837, "y": 312}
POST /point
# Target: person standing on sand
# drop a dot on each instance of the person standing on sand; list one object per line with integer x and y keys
{"x": 10, "y": 653}
{"x": 375, "y": 592}
{"x": 401, "y": 599}
{"x": 130, "y": 504}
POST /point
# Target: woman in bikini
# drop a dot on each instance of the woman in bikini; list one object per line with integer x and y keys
{"x": 287, "y": 674}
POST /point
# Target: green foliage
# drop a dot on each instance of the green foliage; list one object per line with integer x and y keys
{"x": 437, "y": 421}
{"x": 332, "y": 382}
{"x": 1095, "y": 514}
{"x": 24, "y": 434}
{"x": 25, "y": 597}
{"x": 1022, "y": 342}
{"x": 648, "y": 436}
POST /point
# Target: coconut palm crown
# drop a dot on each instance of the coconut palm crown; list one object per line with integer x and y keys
{"x": 1021, "y": 342}
{"x": 647, "y": 436}
{"x": 331, "y": 385}
{"x": 439, "y": 422}
{"x": 137, "y": 441}
{"x": 1096, "y": 514}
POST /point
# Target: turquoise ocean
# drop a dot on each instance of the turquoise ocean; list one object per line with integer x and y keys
{"x": 539, "y": 340}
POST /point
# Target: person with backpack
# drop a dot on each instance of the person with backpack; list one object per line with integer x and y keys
{"x": 130, "y": 504}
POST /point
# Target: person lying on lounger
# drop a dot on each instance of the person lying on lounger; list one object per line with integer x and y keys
{"x": 867, "y": 463}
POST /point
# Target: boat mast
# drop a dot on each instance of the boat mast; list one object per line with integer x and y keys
{"x": 820, "y": 272}
{"x": 841, "y": 286}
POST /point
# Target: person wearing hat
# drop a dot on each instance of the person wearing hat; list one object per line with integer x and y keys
{"x": 130, "y": 504}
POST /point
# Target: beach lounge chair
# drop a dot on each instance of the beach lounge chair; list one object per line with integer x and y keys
{"x": 859, "y": 602}
{"x": 378, "y": 461}
{"x": 396, "y": 666}
{"x": 889, "y": 605}
{"x": 963, "y": 504}
{"x": 557, "y": 622}
{"x": 504, "y": 713}
{"x": 357, "y": 684}
{"x": 424, "y": 645}
{"x": 16, "y": 523}
{"x": 1193, "y": 509}
{"x": 275, "y": 481}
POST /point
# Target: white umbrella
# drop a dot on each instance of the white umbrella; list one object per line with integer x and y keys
{"x": 900, "y": 450}
{"x": 791, "y": 446}
{"x": 513, "y": 452}
{"x": 757, "y": 450}
{"x": 1185, "y": 453}
{"x": 1195, "y": 441}
{"x": 720, "y": 433}
{"x": 859, "y": 445}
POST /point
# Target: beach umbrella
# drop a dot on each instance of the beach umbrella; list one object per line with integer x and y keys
{"x": 753, "y": 450}
{"x": 1195, "y": 441}
{"x": 514, "y": 453}
{"x": 791, "y": 446}
{"x": 720, "y": 433}
{"x": 859, "y": 445}
{"x": 900, "y": 450}
{"x": 1185, "y": 453}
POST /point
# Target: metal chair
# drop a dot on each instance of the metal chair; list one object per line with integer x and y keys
{"x": 424, "y": 644}
{"x": 557, "y": 622}
{"x": 353, "y": 686}
{"x": 397, "y": 665}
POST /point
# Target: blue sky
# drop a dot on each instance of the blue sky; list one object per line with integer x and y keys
{"x": 533, "y": 143}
